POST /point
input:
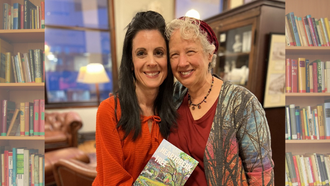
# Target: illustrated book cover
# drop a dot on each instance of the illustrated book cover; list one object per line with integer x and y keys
{"x": 167, "y": 166}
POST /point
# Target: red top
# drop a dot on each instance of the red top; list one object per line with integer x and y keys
{"x": 191, "y": 137}
{"x": 120, "y": 162}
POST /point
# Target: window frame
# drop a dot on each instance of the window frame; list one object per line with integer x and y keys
{"x": 114, "y": 70}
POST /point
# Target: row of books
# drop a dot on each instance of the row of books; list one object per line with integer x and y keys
{"x": 27, "y": 120}
{"x": 306, "y": 31}
{"x": 22, "y": 68}
{"x": 303, "y": 75}
{"x": 22, "y": 167}
{"x": 310, "y": 122}
{"x": 307, "y": 170}
{"x": 23, "y": 16}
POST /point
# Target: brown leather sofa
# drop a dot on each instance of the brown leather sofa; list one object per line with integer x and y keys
{"x": 61, "y": 130}
{"x": 71, "y": 172}
{"x": 53, "y": 157}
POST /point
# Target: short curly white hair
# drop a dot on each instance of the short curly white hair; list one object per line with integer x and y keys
{"x": 190, "y": 29}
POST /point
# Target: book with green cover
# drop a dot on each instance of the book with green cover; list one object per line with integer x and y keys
{"x": 167, "y": 166}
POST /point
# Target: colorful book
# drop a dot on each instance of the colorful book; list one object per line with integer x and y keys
{"x": 166, "y": 163}
{"x": 36, "y": 122}
{"x": 302, "y": 75}
{"x": 288, "y": 75}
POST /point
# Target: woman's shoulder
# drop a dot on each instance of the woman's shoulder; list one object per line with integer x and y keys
{"x": 237, "y": 92}
{"x": 109, "y": 104}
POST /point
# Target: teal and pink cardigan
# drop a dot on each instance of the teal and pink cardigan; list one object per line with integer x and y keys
{"x": 238, "y": 150}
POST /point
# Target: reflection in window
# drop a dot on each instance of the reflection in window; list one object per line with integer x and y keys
{"x": 68, "y": 51}
{"x": 77, "y": 13}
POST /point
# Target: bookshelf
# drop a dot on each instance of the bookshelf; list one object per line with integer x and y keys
{"x": 21, "y": 40}
{"x": 260, "y": 18}
{"x": 319, "y": 148}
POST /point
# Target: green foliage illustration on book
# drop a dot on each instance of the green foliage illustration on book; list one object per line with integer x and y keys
{"x": 167, "y": 166}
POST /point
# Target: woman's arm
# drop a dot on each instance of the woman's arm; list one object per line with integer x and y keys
{"x": 255, "y": 144}
{"x": 109, "y": 152}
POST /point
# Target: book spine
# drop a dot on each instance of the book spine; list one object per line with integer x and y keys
{"x": 293, "y": 122}
{"x": 21, "y": 67}
{"x": 288, "y": 74}
{"x": 311, "y": 27}
{"x": 316, "y": 32}
{"x": 42, "y": 5}
{"x": 36, "y": 170}
{"x": 14, "y": 166}
{"x": 31, "y": 112}
{"x": 302, "y": 75}
{"x": 326, "y": 114}
{"x": 14, "y": 69}
{"x": 6, "y": 167}
{"x": 26, "y": 15}
{"x": 20, "y": 167}
{"x": 319, "y": 33}
{"x": 10, "y": 168}
{"x": 36, "y": 117}
{"x": 4, "y": 117}
{"x": 295, "y": 29}
{"x": 294, "y": 77}
{"x": 308, "y": 88}
{"x": 37, "y": 66}
{"x": 326, "y": 23}
{"x": 299, "y": 31}
{"x": 31, "y": 61}
{"x": 315, "y": 84}
{"x": 15, "y": 15}
{"x": 27, "y": 119}
{"x": 27, "y": 69}
{"x": 295, "y": 164}
{"x": 22, "y": 119}
{"x": 324, "y": 31}
{"x": 287, "y": 122}
{"x": 319, "y": 76}
{"x": 26, "y": 167}
{"x": 307, "y": 31}
{"x": 42, "y": 118}
{"x": 21, "y": 17}
{"x": 5, "y": 14}
{"x": 303, "y": 124}
{"x": 8, "y": 67}
{"x": 321, "y": 120}
{"x": 298, "y": 122}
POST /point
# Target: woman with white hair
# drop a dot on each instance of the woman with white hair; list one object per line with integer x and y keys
{"x": 221, "y": 125}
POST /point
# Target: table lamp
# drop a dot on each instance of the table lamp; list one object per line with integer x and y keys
{"x": 93, "y": 73}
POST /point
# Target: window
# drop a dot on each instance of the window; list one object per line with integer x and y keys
{"x": 77, "y": 33}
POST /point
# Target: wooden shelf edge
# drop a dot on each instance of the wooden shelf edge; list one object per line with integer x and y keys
{"x": 22, "y": 84}
{"x": 306, "y": 94}
{"x": 20, "y": 31}
{"x": 306, "y": 48}
{"x": 325, "y": 141}
{"x": 41, "y": 138}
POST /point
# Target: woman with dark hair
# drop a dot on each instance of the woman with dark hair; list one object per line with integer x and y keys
{"x": 131, "y": 124}
{"x": 222, "y": 125}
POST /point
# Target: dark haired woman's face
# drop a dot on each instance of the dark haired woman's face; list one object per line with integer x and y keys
{"x": 149, "y": 59}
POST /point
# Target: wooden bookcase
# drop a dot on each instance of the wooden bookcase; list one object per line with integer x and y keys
{"x": 21, "y": 41}
{"x": 261, "y": 18}
{"x": 317, "y": 9}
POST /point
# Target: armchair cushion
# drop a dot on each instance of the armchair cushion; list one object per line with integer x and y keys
{"x": 61, "y": 130}
{"x": 70, "y": 172}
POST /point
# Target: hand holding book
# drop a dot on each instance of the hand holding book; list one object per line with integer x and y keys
{"x": 168, "y": 165}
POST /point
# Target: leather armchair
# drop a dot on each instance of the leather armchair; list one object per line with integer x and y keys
{"x": 52, "y": 157}
{"x": 71, "y": 172}
{"x": 61, "y": 130}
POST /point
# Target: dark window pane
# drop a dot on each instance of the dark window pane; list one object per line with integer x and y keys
{"x": 77, "y": 13}
{"x": 68, "y": 51}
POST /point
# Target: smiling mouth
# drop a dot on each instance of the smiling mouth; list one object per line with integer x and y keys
{"x": 186, "y": 72}
{"x": 152, "y": 73}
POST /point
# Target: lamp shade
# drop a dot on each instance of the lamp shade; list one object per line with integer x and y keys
{"x": 92, "y": 73}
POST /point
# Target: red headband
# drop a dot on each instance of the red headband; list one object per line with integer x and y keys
{"x": 206, "y": 28}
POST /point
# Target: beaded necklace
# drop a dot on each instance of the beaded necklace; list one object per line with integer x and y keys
{"x": 204, "y": 100}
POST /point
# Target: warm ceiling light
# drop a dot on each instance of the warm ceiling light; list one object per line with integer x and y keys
{"x": 193, "y": 13}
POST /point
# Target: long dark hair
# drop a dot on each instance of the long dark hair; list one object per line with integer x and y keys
{"x": 130, "y": 121}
